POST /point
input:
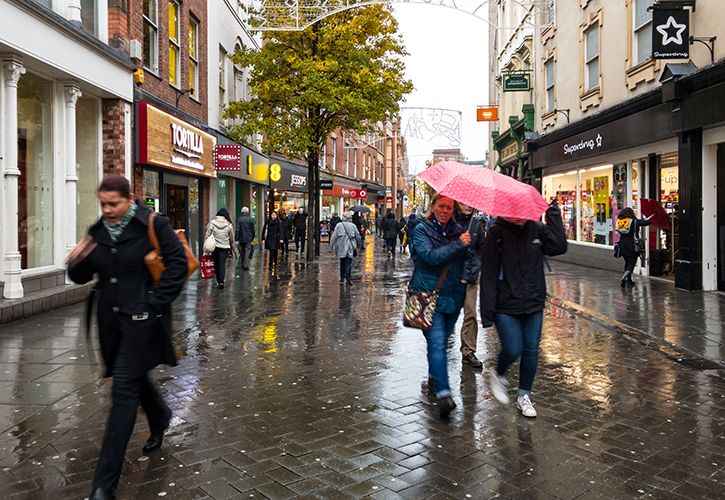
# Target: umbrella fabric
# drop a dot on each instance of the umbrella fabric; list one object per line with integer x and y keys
{"x": 655, "y": 210}
{"x": 359, "y": 208}
{"x": 492, "y": 192}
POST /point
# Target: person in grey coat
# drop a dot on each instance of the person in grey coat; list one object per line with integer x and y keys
{"x": 344, "y": 242}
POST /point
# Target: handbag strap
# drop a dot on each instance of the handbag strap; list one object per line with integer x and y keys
{"x": 151, "y": 231}
{"x": 442, "y": 279}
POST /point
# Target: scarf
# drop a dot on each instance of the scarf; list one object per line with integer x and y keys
{"x": 440, "y": 227}
{"x": 115, "y": 230}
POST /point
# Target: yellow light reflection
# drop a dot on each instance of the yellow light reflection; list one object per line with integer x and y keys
{"x": 266, "y": 335}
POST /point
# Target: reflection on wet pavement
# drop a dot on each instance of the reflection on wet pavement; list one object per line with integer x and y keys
{"x": 290, "y": 384}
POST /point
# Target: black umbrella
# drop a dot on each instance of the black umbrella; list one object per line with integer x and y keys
{"x": 360, "y": 208}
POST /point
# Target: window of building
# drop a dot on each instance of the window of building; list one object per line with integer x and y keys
{"x": 550, "y": 13}
{"x": 174, "y": 43}
{"x": 222, "y": 80}
{"x": 354, "y": 163}
{"x": 642, "y": 30}
{"x": 347, "y": 158}
{"x": 194, "y": 57}
{"x": 89, "y": 16}
{"x": 87, "y": 152}
{"x": 324, "y": 156}
{"x": 549, "y": 70}
{"x": 150, "y": 36}
{"x": 591, "y": 58}
{"x": 334, "y": 154}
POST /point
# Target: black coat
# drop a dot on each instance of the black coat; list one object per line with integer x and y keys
{"x": 627, "y": 245}
{"x": 272, "y": 233}
{"x": 299, "y": 221}
{"x": 126, "y": 292}
{"x": 245, "y": 229}
{"x": 512, "y": 267}
{"x": 286, "y": 228}
{"x": 390, "y": 227}
{"x": 474, "y": 251}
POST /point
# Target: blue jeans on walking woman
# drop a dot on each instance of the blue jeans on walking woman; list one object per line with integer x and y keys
{"x": 520, "y": 335}
{"x": 437, "y": 340}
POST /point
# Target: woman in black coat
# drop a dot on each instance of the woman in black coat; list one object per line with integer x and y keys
{"x": 273, "y": 237}
{"x": 628, "y": 228}
{"x": 134, "y": 318}
{"x": 286, "y": 223}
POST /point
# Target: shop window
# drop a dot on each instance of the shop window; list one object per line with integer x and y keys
{"x": 562, "y": 187}
{"x": 221, "y": 193}
{"x": 87, "y": 145}
{"x": 642, "y": 20}
{"x": 150, "y": 36}
{"x": 194, "y": 57}
{"x": 595, "y": 185}
{"x": 591, "y": 58}
{"x": 35, "y": 162}
{"x": 174, "y": 43}
{"x": 195, "y": 226}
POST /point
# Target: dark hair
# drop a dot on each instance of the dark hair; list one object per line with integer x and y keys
{"x": 116, "y": 183}
{"x": 627, "y": 213}
{"x": 224, "y": 213}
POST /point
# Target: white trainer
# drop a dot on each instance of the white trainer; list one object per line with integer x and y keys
{"x": 499, "y": 387}
{"x": 524, "y": 404}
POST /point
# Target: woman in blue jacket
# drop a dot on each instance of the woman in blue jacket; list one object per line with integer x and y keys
{"x": 439, "y": 246}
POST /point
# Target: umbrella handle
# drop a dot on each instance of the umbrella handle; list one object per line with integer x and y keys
{"x": 470, "y": 222}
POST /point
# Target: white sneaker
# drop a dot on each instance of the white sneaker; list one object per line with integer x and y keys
{"x": 498, "y": 386}
{"x": 524, "y": 404}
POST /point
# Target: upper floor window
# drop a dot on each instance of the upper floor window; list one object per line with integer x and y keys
{"x": 150, "y": 36}
{"x": 174, "y": 43}
{"x": 354, "y": 163}
{"x": 549, "y": 13}
{"x": 591, "y": 58}
{"x": 642, "y": 28}
{"x": 549, "y": 73}
{"x": 347, "y": 158}
{"x": 222, "y": 80}
{"x": 334, "y": 154}
{"x": 324, "y": 156}
{"x": 194, "y": 57}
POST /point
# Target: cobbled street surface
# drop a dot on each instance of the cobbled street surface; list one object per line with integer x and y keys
{"x": 293, "y": 385}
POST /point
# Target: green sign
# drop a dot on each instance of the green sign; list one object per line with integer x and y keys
{"x": 516, "y": 83}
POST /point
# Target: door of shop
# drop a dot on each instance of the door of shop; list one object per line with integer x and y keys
{"x": 176, "y": 207}
{"x": 721, "y": 217}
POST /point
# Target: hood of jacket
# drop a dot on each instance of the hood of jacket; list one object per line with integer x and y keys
{"x": 220, "y": 222}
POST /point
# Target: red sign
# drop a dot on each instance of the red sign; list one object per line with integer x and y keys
{"x": 487, "y": 114}
{"x": 358, "y": 193}
{"x": 228, "y": 157}
{"x": 389, "y": 199}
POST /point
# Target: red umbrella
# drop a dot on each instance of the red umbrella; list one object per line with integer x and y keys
{"x": 492, "y": 192}
{"x": 655, "y": 210}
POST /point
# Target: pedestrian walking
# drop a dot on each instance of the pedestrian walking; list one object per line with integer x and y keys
{"x": 379, "y": 226}
{"x": 300, "y": 228}
{"x": 466, "y": 218}
{"x": 410, "y": 226}
{"x": 245, "y": 236}
{"x": 272, "y": 237}
{"x": 221, "y": 228}
{"x": 390, "y": 233}
{"x": 631, "y": 244}
{"x": 513, "y": 293}
{"x": 134, "y": 318}
{"x": 344, "y": 243}
{"x": 334, "y": 221}
{"x": 438, "y": 248}
{"x": 401, "y": 233}
{"x": 286, "y": 223}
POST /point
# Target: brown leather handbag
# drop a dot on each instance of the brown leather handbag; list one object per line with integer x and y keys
{"x": 155, "y": 261}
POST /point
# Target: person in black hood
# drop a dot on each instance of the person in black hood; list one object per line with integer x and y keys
{"x": 245, "y": 236}
{"x": 513, "y": 293}
{"x": 390, "y": 232}
{"x": 628, "y": 228}
{"x": 334, "y": 221}
{"x": 286, "y": 231}
{"x": 299, "y": 221}
{"x": 272, "y": 237}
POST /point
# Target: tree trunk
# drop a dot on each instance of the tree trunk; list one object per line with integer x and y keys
{"x": 313, "y": 232}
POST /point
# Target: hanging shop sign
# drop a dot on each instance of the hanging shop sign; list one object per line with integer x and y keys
{"x": 235, "y": 160}
{"x": 228, "y": 157}
{"x": 516, "y": 82}
{"x": 167, "y": 141}
{"x": 487, "y": 114}
{"x": 326, "y": 184}
{"x": 671, "y": 33}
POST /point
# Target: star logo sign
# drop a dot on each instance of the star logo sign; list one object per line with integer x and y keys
{"x": 599, "y": 140}
{"x": 671, "y": 27}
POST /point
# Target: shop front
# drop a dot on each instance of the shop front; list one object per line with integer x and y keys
{"x": 174, "y": 168}
{"x": 343, "y": 195}
{"x": 288, "y": 185}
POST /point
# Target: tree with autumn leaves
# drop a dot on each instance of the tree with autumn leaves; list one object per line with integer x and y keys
{"x": 345, "y": 71}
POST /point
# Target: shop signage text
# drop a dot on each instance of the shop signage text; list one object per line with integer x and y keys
{"x": 358, "y": 193}
{"x": 326, "y": 184}
{"x": 487, "y": 114}
{"x": 590, "y": 144}
{"x": 228, "y": 157}
{"x": 299, "y": 181}
{"x": 516, "y": 82}
{"x": 671, "y": 33}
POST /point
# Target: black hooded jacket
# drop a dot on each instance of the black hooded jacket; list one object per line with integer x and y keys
{"x": 512, "y": 268}
{"x": 390, "y": 227}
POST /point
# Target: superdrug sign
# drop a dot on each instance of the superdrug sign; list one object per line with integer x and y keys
{"x": 670, "y": 33}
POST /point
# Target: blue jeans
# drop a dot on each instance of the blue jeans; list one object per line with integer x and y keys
{"x": 520, "y": 335}
{"x": 345, "y": 268}
{"x": 437, "y": 339}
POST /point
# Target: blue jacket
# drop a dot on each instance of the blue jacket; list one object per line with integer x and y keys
{"x": 431, "y": 251}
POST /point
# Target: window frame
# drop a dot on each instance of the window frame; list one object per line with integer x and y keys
{"x": 194, "y": 25}
{"x": 334, "y": 153}
{"x": 550, "y": 104}
{"x": 153, "y": 65}
{"x": 589, "y": 61}
{"x": 175, "y": 44}
{"x": 636, "y": 31}
{"x": 222, "y": 83}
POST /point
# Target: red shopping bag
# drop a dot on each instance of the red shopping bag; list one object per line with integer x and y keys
{"x": 207, "y": 267}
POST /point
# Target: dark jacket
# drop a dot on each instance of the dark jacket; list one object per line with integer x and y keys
{"x": 431, "y": 251}
{"x": 401, "y": 225}
{"x": 512, "y": 270}
{"x": 627, "y": 243}
{"x": 410, "y": 226}
{"x": 300, "y": 222}
{"x": 475, "y": 249}
{"x": 245, "y": 229}
{"x": 390, "y": 227}
{"x": 286, "y": 223}
{"x": 272, "y": 234}
{"x": 125, "y": 290}
{"x": 334, "y": 221}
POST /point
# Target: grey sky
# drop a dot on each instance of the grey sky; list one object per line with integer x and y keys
{"x": 448, "y": 64}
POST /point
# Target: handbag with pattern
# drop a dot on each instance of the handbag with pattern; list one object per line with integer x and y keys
{"x": 420, "y": 306}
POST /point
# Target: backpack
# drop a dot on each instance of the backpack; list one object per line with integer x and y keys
{"x": 625, "y": 226}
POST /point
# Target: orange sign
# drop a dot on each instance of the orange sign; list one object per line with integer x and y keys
{"x": 489, "y": 114}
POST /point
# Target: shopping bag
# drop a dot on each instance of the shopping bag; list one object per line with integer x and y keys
{"x": 207, "y": 267}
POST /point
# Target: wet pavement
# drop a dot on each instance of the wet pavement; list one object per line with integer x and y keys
{"x": 690, "y": 322}
{"x": 293, "y": 385}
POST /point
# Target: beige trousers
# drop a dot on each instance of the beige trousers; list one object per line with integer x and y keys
{"x": 469, "y": 330}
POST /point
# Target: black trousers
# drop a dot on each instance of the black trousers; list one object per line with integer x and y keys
{"x": 300, "y": 241}
{"x": 285, "y": 246}
{"x": 390, "y": 242}
{"x": 273, "y": 257}
{"x": 345, "y": 269}
{"x": 629, "y": 262}
{"x": 127, "y": 393}
{"x": 243, "y": 254}
{"x": 220, "y": 256}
